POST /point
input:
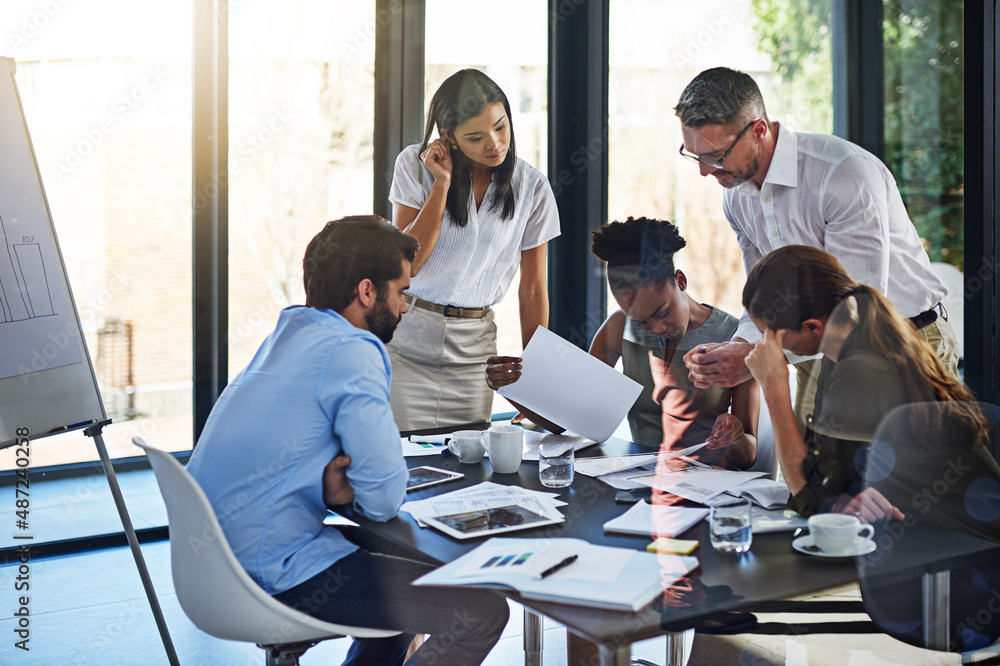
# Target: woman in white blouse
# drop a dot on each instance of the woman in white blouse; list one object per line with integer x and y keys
{"x": 479, "y": 213}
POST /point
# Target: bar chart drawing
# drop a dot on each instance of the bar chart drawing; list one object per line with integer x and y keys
{"x": 24, "y": 282}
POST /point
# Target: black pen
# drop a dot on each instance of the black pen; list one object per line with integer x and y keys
{"x": 558, "y": 565}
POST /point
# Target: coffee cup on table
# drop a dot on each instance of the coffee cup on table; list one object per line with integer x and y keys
{"x": 505, "y": 443}
{"x": 468, "y": 445}
{"x": 835, "y": 533}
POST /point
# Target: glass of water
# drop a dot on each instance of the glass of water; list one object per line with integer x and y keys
{"x": 729, "y": 524}
{"x": 555, "y": 463}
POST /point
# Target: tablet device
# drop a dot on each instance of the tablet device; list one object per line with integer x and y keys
{"x": 425, "y": 476}
{"x": 493, "y": 520}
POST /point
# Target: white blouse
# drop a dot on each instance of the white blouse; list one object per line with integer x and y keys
{"x": 473, "y": 266}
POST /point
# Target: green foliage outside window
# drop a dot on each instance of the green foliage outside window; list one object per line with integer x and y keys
{"x": 923, "y": 99}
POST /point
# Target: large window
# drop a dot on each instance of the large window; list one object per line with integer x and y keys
{"x": 783, "y": 44}
{"x": 105, "y": 87}
{"x": 300, "y": 147}
{"x": 924, "y": 131}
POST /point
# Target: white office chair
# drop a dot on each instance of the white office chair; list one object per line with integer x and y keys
{"x": 215, "y": 592}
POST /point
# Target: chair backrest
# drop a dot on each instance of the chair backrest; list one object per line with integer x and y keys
{"x": 929, "y": 460}
{"x": 212, "y": 587}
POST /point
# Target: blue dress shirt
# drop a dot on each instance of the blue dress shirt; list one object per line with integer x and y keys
{"x": 317, "y": 387}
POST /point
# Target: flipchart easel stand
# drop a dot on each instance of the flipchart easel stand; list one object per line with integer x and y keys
{"x": 94, "y": 432}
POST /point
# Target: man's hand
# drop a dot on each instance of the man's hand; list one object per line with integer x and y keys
{"x": 727, "y": 429}
{"x": 502, "y": 370}
{"x": 337, "y": 489}
{"x": 721, "y": 364}
{"x": 869, "y": 506}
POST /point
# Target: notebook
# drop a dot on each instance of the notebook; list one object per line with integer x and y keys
{"x": 644, "y": 519}
{"x": 583, "y": 574}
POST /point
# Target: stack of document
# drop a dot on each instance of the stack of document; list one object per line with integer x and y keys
{"x": 644, "y": 519}
{"x": 621, "y": 472}
{"x": 569, "y": 571}
{"x": 763, "y": 492}
{"x": 435, "y": 445}
{"x": 697, "y": 484}
{"x": 486, "y": 508}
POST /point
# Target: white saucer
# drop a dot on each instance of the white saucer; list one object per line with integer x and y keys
{"x": 861, "y": 546}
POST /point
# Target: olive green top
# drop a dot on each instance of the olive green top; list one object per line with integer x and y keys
{"x": 686, "y": 414}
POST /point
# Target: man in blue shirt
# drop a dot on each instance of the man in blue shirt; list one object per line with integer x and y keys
{"x": 308, "y": 425}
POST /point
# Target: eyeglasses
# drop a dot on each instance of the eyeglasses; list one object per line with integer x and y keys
{"x": 717, "y": 164}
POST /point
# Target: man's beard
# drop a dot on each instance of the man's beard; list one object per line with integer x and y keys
{"x": 738, "y": 178}
{"x": 380, "y": 319}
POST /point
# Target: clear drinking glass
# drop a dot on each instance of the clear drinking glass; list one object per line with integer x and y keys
{"x": 730, "y": 526}
{"x": 555, "y": 464}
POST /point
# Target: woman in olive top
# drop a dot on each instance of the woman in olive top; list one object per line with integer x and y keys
{"x": 657, "y": 324}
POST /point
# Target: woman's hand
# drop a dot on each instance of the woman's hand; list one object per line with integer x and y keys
{"x": 869, "y": 506}
{"x": 727, "y": 429}
{"x": 767, "y": 363}
{"x": 502, "y": 370}
{"x": 437, "y": 158}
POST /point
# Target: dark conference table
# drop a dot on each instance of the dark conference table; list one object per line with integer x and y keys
{"x": 771, "y": 570}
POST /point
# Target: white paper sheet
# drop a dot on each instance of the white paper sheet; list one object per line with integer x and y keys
{"x": 533, "y": 439}
{"x": 570, "y": 387}
{"x": 611, "y": 464}
{"x": 483, "y": 495}
{"x": 698, "y": 485}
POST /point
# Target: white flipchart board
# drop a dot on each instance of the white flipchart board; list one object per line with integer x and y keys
{"x": 47, "y": 382}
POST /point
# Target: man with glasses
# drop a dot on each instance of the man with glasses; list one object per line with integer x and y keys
{"x": 793, "y": 188}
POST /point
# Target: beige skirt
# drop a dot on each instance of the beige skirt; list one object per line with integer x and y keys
{"x": 439, "y": 370}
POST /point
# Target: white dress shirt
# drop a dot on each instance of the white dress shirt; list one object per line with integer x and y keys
{"x": 826, "y": 192}
{"x": 473, "y": 266}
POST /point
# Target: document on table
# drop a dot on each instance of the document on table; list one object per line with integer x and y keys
{"x": 424, "y": 445}
{"x": 776, "y": 520}
{"x": 533, "y": 439}
{"x": 763, "y": 492}
{"x": 570, "y": 387}
{"x": 620, "y": 472}
{"x": 599, "y": 576}
{"x": 609, "y": 464}
{"x": 655, "y": 520}
{"x": 485, "y": 495}
{"x": 697, "y": 484}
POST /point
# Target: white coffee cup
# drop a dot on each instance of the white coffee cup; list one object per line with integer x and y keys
{"x": 835, "y": 533}
{"x": 505, "y": 443}
{"x": 468, "y": 445}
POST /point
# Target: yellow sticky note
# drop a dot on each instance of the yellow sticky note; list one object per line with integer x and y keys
{"x": 678, "y": 546}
